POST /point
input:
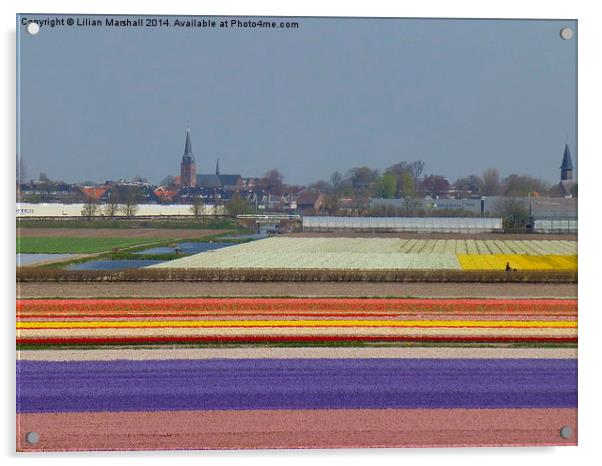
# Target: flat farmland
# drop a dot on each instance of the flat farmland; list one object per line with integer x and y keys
{"x": 86, "y": 241}
{"x": 77, "y": 245}
{"x": 376, "y": 253}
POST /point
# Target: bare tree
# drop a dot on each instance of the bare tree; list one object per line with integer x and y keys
{"x": 111, "y": 207}
{"x": 416, "y": 168}
{"x": 514, "y": 213}
{"x": 237, "y": 206}
{"x": 492, "y": 186}
{"x": 90, "y": 207}
{"x": 336, "y": 180}
{"x": 472, "y": 184}
{"x": 196, "y": 206}
{"x": 332, "y": 204}
{"x": 362, "y": 177}
{"x": 272, "y": 182}
{"x": 131, "y": 197}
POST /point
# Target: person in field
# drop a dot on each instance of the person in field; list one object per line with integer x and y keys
{"x": 508, "y": 268}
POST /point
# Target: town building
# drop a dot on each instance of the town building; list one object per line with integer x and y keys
{"x": 310, "y": 203}
{"x": 220, "y": 181}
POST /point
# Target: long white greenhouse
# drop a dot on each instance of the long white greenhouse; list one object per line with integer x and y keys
{"x": 401, "y": 224}
{"x": 555, "y": 225}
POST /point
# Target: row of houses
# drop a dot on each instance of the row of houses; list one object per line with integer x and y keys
{"x": 214, "y": 192}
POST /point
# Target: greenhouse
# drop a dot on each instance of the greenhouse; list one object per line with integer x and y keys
{"x": 404, "y": 224}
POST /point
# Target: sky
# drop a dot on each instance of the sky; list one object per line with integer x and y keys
{"x": 105, "y": 103}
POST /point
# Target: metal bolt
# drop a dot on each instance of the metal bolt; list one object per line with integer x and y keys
{"x": 566, "y": 33}
{"x": 32, "y": 437}
{"x": 33, "y": 28}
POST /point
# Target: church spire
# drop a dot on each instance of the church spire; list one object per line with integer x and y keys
{"x": 566, "y": 169}
{"x": 567, "y": 162}
{"x": 188, "y": 166}
{"x": 188, "y": 147}
{"x": 217, "y": 167}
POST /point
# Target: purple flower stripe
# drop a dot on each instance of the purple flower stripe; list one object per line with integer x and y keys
{"x": 81, "y": 386}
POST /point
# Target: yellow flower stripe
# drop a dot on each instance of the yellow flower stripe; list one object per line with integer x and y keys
{"x": 298, "y": 323}
{"x": 517, "y": 261}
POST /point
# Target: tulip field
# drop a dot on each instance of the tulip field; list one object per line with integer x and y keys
{"x": 196, "y": 373}
{"x": 387, "y": 253}
{"x": 124, "y": 321}
{"x": 199, "y": 372}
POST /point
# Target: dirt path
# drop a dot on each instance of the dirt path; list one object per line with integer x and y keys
{"x": 359, "y": 289}
{"x": 117, "y": 232}
{"x": 137, "y": 354}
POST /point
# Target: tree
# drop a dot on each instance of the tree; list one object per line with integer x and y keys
{"x": 90, "y": 207}
{"x": 317, "y": 187}
{"x": 387, "y": 186}
{"x": 574, "y": 190}
{"x": 130, "y": 196}
{"x": 514, "y": 213}
{"x": 408, "y": 187}
{"x": 362, "y": 177}
{"x": 238, "y": 206}
{"x": 337, "y": 181}
{"x": 523, "y": 185}
{"x": 416, "y": 168}
{"x": 341, "y": 184}
{"x": 196, "y": 206}
{"x": 473, "y": 184}
{"x": 332, "y": 204}
{"x": 435, "y": 185}
{"x": 272, "y": 182}
{"x": 400, "y": 169}
{"x": 492, "y": 186}
{"x": 112, "y": 205}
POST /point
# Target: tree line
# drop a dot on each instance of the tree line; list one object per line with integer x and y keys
{"x": 408, "y": 179}
{"x": 123, "y": 200}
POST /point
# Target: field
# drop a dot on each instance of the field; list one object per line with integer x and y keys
{"x": 289, "y": 373}
{"x": 86, "y": 241}
{"x": 60, "y": 322}
{"x": 105, "y": 365}
{"x": 76, "y": 245}
{"x": 387, "y": 253}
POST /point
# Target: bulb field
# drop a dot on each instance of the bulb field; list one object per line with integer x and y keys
{"x": 387, "y": 253}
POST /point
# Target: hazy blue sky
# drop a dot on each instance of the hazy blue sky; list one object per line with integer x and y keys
{"x": 462, "y": 95}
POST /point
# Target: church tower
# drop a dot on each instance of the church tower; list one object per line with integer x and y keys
{"x": 566, "y": 169}
{"x": 188, "y": 166}
{"x": 566, "y": 173}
